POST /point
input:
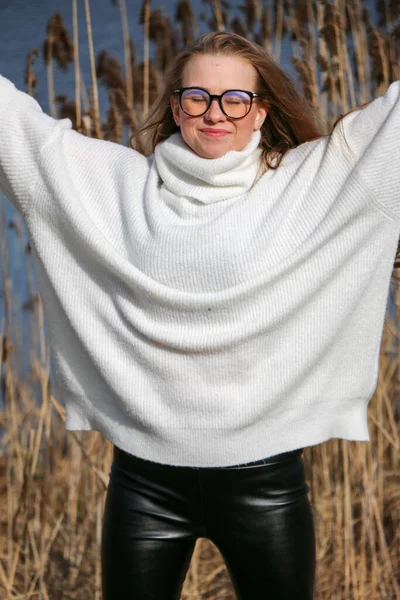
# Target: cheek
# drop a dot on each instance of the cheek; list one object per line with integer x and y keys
{"x": 188, "y": 131}
{"x": 188, "y": 126}
{"x": 244, "y": 133}
{"x": 246, "y": 129}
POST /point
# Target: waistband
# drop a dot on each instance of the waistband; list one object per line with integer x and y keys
{"x": 129, "y": 460}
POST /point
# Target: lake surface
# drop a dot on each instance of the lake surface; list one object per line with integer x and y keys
{"x": 23, "y": 27}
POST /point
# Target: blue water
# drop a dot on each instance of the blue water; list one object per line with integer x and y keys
{"x": 23, "y": 27}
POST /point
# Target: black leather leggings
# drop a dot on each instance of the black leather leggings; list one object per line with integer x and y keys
{"x": 258, "y": 515}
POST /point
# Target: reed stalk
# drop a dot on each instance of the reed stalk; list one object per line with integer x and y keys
{"x": 146, "y": 61}
{"x": 278, "y": 30}
{"x": 50, "y": 82}
{"x": 77, "y": 66}
{"x": 266, "y": 29}
{"x": 127, "y": 53}
{"x": 217, "y": 10}
{"x": 96, "y": 110}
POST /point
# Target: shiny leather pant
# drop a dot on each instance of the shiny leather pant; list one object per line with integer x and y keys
{"x": 258, "y": 515}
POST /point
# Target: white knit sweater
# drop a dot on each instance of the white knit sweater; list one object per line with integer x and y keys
{"x": 195, "y": 318}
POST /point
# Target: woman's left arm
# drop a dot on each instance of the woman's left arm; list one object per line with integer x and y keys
{"x": 371, "y": 137}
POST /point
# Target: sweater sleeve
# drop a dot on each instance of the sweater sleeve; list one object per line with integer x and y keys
{"x": 24, "y": 131}
{"x": 370, "y": 136}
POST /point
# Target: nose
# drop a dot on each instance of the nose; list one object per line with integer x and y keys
{"x": 214, "y": 112}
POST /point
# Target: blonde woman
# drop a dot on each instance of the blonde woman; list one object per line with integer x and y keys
{"x": 214, "y": 305}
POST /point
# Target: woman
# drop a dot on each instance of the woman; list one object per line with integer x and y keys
{"x": 212, "y": 308}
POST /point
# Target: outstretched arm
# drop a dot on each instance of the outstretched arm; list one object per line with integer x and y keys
{"x": 44, "y": 163}
{"x": 370, "y": 137}
{"x": 24, "y": 131}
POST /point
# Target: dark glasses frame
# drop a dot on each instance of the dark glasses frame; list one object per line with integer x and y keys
{"x": 218, "y": 97}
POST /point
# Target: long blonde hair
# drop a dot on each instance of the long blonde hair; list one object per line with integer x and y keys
{"x": 290, "y": 120}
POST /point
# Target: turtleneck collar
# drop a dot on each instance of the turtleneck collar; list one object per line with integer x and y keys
{"x": 184, "y": 173}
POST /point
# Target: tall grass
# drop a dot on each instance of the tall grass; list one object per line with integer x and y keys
{"x": 53, "y": 484}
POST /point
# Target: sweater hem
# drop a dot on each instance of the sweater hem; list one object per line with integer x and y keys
{"x": 190, "y": 447}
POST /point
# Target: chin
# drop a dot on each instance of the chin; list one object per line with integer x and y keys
{"x": 212, "y": 155}
{"x": 212, "y": 151}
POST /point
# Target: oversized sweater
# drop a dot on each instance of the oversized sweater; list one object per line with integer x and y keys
{"x": 197, "y": 317}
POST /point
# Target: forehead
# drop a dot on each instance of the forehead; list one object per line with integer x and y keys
{"x": 217, "y": 72}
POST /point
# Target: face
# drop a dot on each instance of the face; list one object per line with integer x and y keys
{"x": 213, "y": 134}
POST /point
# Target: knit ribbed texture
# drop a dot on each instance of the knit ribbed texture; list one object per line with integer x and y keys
{"x": 198, "y": 315}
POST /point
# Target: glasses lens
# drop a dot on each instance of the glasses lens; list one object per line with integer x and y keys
{"x": 236, "y": 103}
{"x": 194, "y": 102}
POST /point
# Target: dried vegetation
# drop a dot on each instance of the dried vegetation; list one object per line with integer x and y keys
{"x": 52, "y": 484}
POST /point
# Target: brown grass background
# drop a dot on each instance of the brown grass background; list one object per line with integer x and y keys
{"x": 52, "y": 483}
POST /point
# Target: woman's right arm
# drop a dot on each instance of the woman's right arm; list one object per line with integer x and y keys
{"x": 25, "y": 130}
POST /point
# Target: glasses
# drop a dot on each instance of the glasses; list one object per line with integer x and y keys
{"x": 235, "y": 104}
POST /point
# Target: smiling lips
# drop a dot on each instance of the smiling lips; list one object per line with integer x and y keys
{"x": 215, "y": 133}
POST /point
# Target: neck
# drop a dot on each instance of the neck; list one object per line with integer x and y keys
{"x": 206, "y": 180}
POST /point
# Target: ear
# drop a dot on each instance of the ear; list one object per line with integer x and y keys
{"x": 174, "y": 103}
{"x": 262, "y": 112}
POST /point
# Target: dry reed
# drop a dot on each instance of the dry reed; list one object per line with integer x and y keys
{"x": 52, "y": 484}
